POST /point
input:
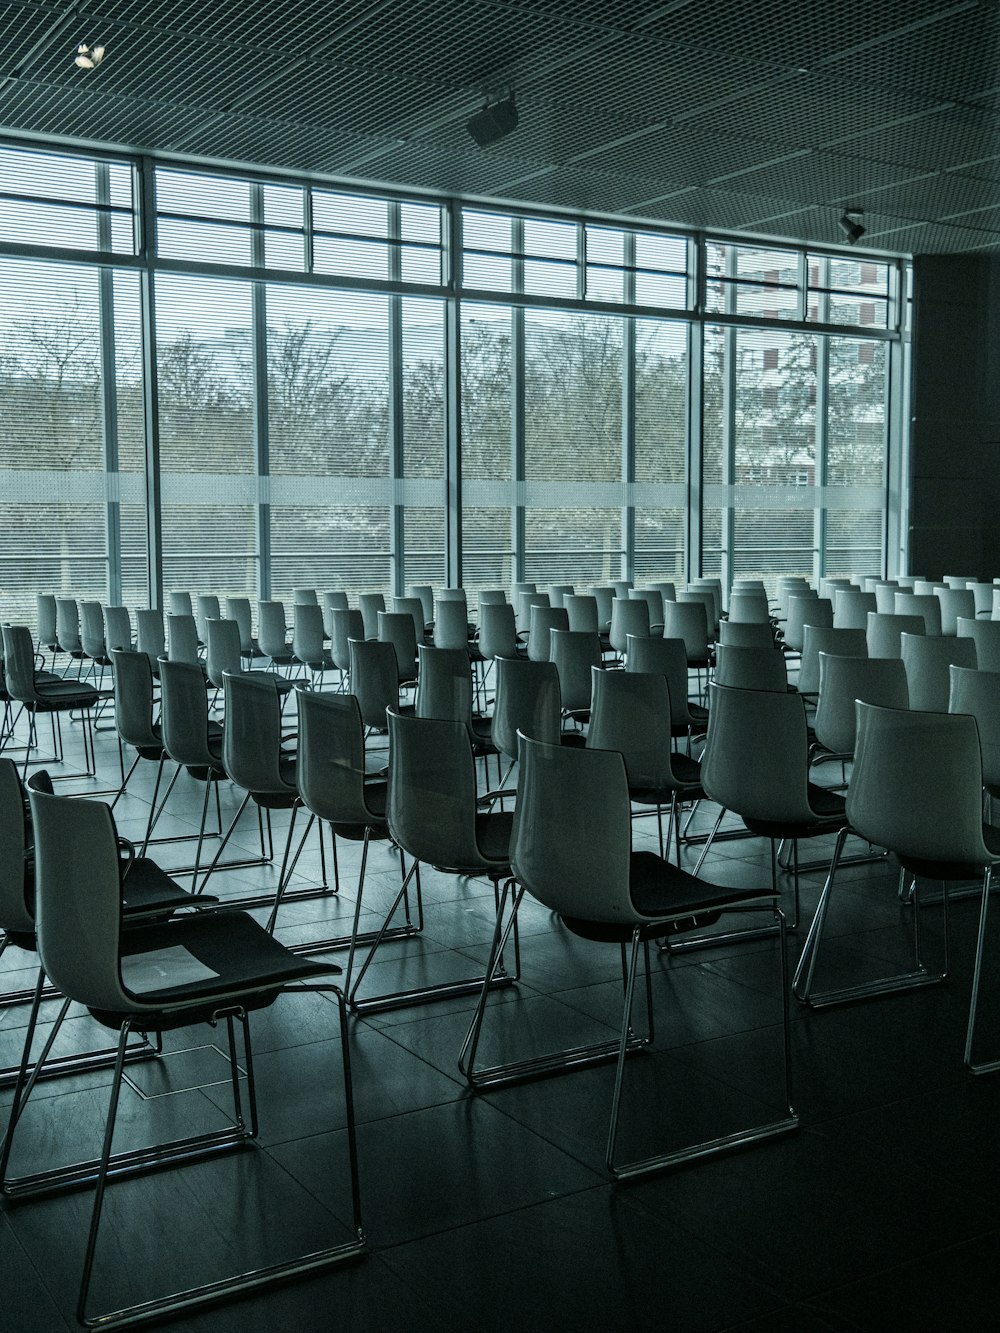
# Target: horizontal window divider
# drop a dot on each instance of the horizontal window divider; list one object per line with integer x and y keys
{"x": 297, "y": 277}
{"x": 853, "y": 498}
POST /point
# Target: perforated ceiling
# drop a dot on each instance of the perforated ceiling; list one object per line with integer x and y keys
{"x": 767, "y": 117}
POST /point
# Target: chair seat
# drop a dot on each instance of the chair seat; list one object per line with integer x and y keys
{"x": 147, "y": 888}
{"x": 243, "y": 957}
{"x": 66, "y": 694}
{"x": 493, "y": 832}
{"x": 673, "y": 899}
{"x": 829, "y": 810}
{"x": 954, "y": 870}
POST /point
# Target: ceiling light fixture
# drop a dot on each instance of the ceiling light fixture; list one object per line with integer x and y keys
{"x": 496, "y": 120}
{"x": 88, "y": 57}
{"x": 850, "y": 225}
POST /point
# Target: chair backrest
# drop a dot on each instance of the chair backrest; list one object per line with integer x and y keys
{"x": 917, "y": 784}
{"x": 792, "y": 586}
{"x": 304, "y": 597}
{"x": 522, "y": 608}
{"x": 117, "y": 628}
{"x": 521, "y": 587}
{"x": 986, "y": 636}
{"x": 223, "y": 650}
{"x": 426, "y": 594}
{"x": 16, "y": 912}
{"x": 631, "y": 714}
{"x": 444, "y": 688}
{"x": 707, "y": 598}
{"x": 374, "y": 679}
{"x": 956, "y": 580}
{"x": 928, "y": 587}
{"x": 581, "y": 609}
{"x": 527, "y": 700}
{"x": 668, "y": 657}
{"x": 666, "y": 589}
{"x": 92, "y": 630}
{"x": 330, "y": 767}
{"x": 746, "y": 633}
{"x": 251, "y": 747}
{"x": 491, "y": 596}
{"x": 955, "y": 602}
{"x": 818, "y": 639}
{"x": 238, "y": 609}
{"x": 687, "y": 621}
{"x": 802, "y": 611}
{"x": 653, "y": 599}
{"x": 414, "y": 608}
{"x": 925, "y": 605}
{"x": 885, "y": 597}
{"x": 750, "y": 668}
{"x": 182, "y": 639}
{"x": 749, "y": 608}
{"x": 628, "y": 617}
{"x": 337, "y": 601}
{"x": 431, "y": 801}
{"x": 78, "y": 898}
{"x": 621, "y": 587}
{"x": 179, "y": 604}
{"x": 543, "y": 620}
{"x": 307, "y": 635}
{"x": 977, "y": 692}
{"x": 68, "y": 625}
{"x": 347, "y": 625}
{"x": 756, "y": 759}
{"x": 134, "y": 699}
{"x": 19, "y": 663}
{"x": 604, "y": 595}
{"x": 46, "y": 606}
{"x": 453, "y": 595}
{"x": 397, "y": 628}
{"x": 982, "y": 598}
{"x": 829, "y": 587}
{"x": 272, "y": 630}
{"x": 851, "y": 607}
{"x": 451, "y": 622}
{"x": 842, "y": 680}
{"x": 574, "y": 653}
{"x": 184, "y": 715}
{"x": 927, "y": 659}
{"x": 714, "y": 586}
{"x": 884, "y": 632}
{"x": 370, "y": 604}
{"x": 497, "y": 633}
{"x": 206, "y": 608}
{"x": 149, "y": 636}
{"x": 558, "y": 592}
{"x": 572, "y": 840}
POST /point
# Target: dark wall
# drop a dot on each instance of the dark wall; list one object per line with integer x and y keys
{"x": 955, "y": 429}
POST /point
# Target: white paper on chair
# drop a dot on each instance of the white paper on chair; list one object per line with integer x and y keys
{"x": 160, "y": 968}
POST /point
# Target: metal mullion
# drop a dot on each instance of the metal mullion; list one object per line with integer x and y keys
{"x": 109, "y": 395}
{"x": 453, "y": 401}
{"x": 146, "y": 223}
{"x": 261, "y": 414}
{"x": 517, "y": 423}
{"x": 628, "y": 417}
{"x": 397, "y": 443}
{"x": 822, "y": 429}
{"x": 694, "y": 411}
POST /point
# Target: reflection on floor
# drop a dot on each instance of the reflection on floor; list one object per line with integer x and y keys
{"x": 489, "y": 1210}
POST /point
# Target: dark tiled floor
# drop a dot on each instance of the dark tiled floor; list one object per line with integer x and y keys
{"x": 483, "y": 1210}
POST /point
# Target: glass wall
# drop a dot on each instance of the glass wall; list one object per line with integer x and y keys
{"x": 271, "y": 385}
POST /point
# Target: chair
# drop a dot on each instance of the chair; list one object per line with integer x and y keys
{"x": 544, "y": 619}
{"x": 375, "y": 681}
{"x": 47, "y": 636}
{"x": 885, "y": 598}
{"x": 714, "y": 586}
{"x": 92, "y": 636}
{"x": 925, "y": 605}
{"x": 668, "y": 657}
{"x": 960, "y": 581}
{"x": 751, "y": 668}
{"x": 574, "y": 653}
{"x": 707, "y": 598}
{"x": 491, "y": 597}
{"x": 851, "y": 608}
{"x": 149, "y": 636}
{"x": 666, "y": 589}
{"x": 179, "y": 604}
{"x": 558, "y": 592}
{"x": 370, "y": 604}
{"x": 977, "y": 693}
{"x": 304, "y": 597}
{"x": 817, "y": 639}
{"x": 68, "y": 630}
{"x": 497, "y": 631}
{"x": 451, "y": 623}
{"x": 413, "y": 607}
{"x": 756, "y": 764}
{"x": 397, "y": 628}
{"x": 528, "y": 700}
{"x": 182, "y": 639}
{"x": 41, "y": 695}
{"x": 433, "y": 815}
{"x": 133, "y": 693}
{"x": 522, "y": 608}
{"x": 117, "y": 628}
{"x": 746, "y": 633}
{"x": 337, "y": 601}
{"x": 749, "y": 608}
{"x": 581, "y": 610}
{"x": 621, "y": 587}
{"x": 928, "y": 587}
{"x": 522, "y": 587}
{"x": 631, "y": 714}
{"x": 829, "y": 587}
{"x": 272, "y": 635}
{"x": 654, "y": 601}
{"x": 884, "y": 633}
{"x": 223, "y": 651}
{"x": 927, "y": 660}
{"x": 571, "y": 851}
{"x": 842, "y": 681}
{"x": 683, "y": 620}
{"x": 153, "y": 978}
{"x": 985, "y": 634}
{"x": 955, "y": 602}
{"x": 804, "y": 611}
{"x": 604, "y": 596}
{"x": 628, "y": 617}
{"x": 206, "y": 608}
{"x": 426, "y": 594}
{"x": 445, "y": 691}
{"x": 917, "y": 791}
{"x": 307, "y": 641}
{"x": 982, "y": 597}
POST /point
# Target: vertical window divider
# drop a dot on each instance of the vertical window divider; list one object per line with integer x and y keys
{"x": 628, "y": 411}
{"x": 109, "y": 390}
{"x": 261, "y": 412}
{"x": 452, "y": 218}
{"x": 150, "y": 383}
{"x": 397, "y": 454}
{"x": 517, "y": 406}
{"x": 822, "y": 432}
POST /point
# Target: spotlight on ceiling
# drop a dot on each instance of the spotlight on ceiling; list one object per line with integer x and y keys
{"x": 496, "y": 120}
{"x": 87, "y": 56}
{"x": 850, "y": 225}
